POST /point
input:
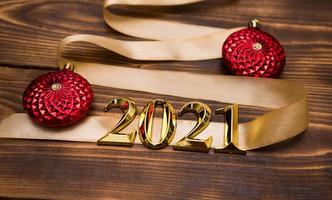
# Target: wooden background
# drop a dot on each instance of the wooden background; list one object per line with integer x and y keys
{"x": 300, "y": 168}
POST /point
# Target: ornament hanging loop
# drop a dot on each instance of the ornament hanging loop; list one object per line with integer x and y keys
{"x": 254, "y": 24}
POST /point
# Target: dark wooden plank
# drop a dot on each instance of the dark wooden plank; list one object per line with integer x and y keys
{"x": 296, "y": 169}
{"x": 28, "y": 28}
{"x": 80, "y": 170}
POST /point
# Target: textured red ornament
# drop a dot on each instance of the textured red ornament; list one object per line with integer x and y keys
{"x": 253, "y": 52}
{"x": 58, "y": 99}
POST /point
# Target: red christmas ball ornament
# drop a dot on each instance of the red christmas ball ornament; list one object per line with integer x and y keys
{"x": 253, "y": 52}
{"x": 58, "y": 99}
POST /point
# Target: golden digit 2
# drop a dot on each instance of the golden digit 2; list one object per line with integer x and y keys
{"x": 189, "y": 142}
{"x": 168, "y": 124}
{"x": 113, "y": 136}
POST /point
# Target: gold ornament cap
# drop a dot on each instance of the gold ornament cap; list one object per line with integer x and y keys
{"x": 254, "y": 23}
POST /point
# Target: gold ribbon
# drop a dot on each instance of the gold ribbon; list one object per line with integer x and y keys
{"x": 177, "y": 41}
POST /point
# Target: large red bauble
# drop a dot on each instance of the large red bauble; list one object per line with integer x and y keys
{"x": 253, "y": 52}
{"x": 58, "y": 99}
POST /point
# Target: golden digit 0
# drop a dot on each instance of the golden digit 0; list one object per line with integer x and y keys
{"x": 168, "y": 124}
{"x": 114, "y": 137}
{"x": 230, "y": 130}
{"x": 189, "y": 142}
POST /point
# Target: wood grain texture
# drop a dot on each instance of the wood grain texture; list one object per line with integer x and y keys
{"x": 300, "y": 168}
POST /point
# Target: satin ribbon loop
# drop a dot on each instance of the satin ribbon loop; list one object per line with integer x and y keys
{"x": 182, "y": 42}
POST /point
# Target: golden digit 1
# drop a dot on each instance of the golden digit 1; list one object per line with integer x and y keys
{"x": 114, "y": 137}
{"x": 230, "y": 130}
{"x": 168, "y": 124}
{"x": 189, "y": 142}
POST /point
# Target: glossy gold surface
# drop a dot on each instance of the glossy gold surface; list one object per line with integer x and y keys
{"x": 254, "y": 24}
{"x": 69, "y": 66}
{"x": 168, "y": 124}
{"x": 113, "y": 136}
{"x": 189, "y": 142}
{"x": 231, "y": 133}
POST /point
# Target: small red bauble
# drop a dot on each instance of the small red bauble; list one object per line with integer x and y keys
{"x": 58, "y": 99}
{"x": 253, "y": 52}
